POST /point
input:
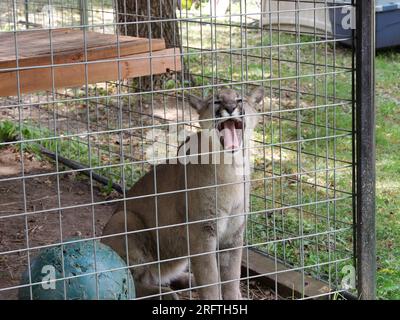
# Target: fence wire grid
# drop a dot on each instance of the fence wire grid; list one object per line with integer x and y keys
{"x": 69, "y": 155}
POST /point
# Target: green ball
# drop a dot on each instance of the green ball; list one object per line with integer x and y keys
{"x": 80, "y": 259}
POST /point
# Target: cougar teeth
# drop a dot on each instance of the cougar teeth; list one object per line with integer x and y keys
{"x": 238, "y": 124}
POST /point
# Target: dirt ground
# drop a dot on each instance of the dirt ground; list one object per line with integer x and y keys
{"x": 46, "y": 227}
{"x": 51, "y": 225}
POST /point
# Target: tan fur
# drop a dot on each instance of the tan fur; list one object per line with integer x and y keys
{"x": 199, "y": 238}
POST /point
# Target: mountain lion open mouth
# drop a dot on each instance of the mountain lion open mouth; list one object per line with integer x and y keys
{"x": 230, "y": 134}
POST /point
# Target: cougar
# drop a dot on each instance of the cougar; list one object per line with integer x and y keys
{"x": 192, "y": 212}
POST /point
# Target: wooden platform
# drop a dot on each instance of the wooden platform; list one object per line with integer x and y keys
{"x": 41, "y": 59}
{"x": 288, "y": 283}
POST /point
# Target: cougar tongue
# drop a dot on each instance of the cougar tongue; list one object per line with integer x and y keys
{"x": 229, "y": 133}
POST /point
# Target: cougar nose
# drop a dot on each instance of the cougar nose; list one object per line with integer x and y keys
{"x": 230, "y": 108}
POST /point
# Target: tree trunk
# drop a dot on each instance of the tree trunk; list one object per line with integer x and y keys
{"x": 141, "y": 18}
{"x": 146, "y": 23}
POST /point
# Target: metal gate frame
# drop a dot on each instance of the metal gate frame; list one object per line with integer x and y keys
{"x": 363, "y": 145}
{"x": 365, "y": 249}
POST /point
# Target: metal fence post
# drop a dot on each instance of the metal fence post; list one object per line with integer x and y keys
{"x": 365, "y": 121}
{"x": 83, "y": 10}
{"x": 26, "y": 5}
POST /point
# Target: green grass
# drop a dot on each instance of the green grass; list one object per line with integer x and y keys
{"x": 388, "y": 173}
{"x": 30, "y": 138}
{"x": 311, "y": 215}
{"x": 291, "y": 222}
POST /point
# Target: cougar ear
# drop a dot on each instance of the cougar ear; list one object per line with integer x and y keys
{"x": 257, "y": 95}
{"x": 197, "y": 103}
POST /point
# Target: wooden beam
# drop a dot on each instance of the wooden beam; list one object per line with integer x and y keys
{"x": 34, "y": 48}
{"x": 74, "y": 75}
{"x": 289, "y": 282}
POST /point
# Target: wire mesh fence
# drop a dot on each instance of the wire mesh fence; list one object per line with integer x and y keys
{"x": 274, "y": 217}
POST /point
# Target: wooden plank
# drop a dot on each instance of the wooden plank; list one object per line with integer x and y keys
{"x": 34, "y": 47}
{"x": 74, "y": 75}
{"x": 289, "y": 282}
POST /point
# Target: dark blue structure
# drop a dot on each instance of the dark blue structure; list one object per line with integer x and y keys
{"x": 387, "y": 22}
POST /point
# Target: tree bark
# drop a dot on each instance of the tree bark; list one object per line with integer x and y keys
{"x": 146, "y": 19}
{"x": 141, "y": 18}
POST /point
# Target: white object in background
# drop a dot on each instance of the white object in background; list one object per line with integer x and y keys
{"x": 219, "y": 7}
{"x": 284, "y": 13}
{"x": 49, "y": 13}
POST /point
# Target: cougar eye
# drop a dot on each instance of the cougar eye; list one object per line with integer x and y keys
{"x": 217, "y": 108}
